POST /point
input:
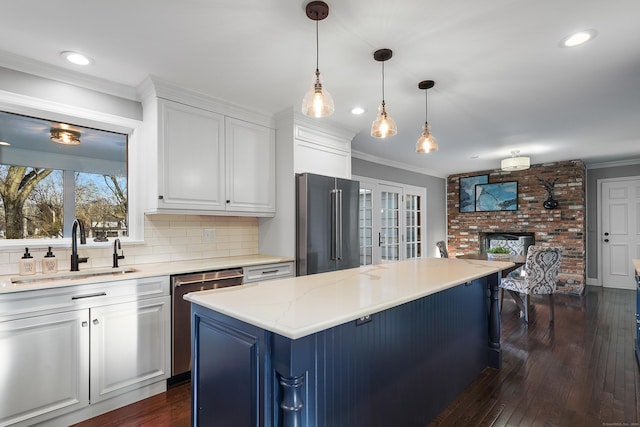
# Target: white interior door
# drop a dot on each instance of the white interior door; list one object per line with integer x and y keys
{"x": 620, "y": 231}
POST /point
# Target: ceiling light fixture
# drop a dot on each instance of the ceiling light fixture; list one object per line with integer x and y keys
{"x": 317, "y": 102}
{"x": 356, "y": 111}
{"x": 65, "y": 137}
{"x": 578, "y": 38}
{"x": 427, "y": 142}
{"x": 515, "y": 162}
{"x": 383, "y": 126}
{"x": 76, "y": 58}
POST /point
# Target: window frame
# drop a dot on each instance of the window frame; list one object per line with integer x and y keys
{"x": 50, "y": 110}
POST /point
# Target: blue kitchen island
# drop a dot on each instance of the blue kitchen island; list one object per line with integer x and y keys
{"x": 384, "y": 345}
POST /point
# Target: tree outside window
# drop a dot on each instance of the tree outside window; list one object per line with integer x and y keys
{"x": 32, "y": 203}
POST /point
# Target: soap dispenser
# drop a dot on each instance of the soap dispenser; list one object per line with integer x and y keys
{"x": 49, "y": 262}
{"x": 27, "y": 263}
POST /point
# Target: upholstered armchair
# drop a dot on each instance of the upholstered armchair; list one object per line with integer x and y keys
{"x": 539, "y": 278}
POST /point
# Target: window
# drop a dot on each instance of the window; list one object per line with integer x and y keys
{"x": 392, "y": 221}
{"x": 44, "y": 185}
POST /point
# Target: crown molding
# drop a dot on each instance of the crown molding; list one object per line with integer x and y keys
{"x": 52, "y": 72}
{"x": 612, "y": 164}
{"x": 386, "y": 162}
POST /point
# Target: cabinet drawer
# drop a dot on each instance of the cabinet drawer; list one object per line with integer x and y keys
{"x": 257, "y": 273}
{"x": 41, "y": 301}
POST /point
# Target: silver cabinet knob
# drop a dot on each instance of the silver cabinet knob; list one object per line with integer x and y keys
{"x": 96, "y": 322}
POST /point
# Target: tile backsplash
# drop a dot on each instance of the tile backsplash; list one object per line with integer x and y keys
{"x": 166, "y": 238}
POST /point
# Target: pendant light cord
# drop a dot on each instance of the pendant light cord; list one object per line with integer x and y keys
{"x": 317, "y": 46}
{"x": 426, "y": 105}
{"x": 383, "y": 82}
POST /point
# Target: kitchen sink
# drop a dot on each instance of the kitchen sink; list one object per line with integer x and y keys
{"x": 69, "y": 275}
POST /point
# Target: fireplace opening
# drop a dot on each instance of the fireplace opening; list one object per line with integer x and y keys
{"x": 517, "y": 242}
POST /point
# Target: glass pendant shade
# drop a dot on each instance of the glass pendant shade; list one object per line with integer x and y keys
{"x": 427, "y": 143}
{"x": 317, "y": 102}
{"x": 383, "y": 126}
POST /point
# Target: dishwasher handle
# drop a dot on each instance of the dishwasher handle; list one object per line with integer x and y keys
{"x": 212, "y": 276}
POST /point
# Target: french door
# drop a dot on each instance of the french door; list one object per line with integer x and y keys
{"x": 392, "y": 221}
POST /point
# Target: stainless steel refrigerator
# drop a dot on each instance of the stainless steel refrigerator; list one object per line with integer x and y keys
{"x": 327, "y": 224}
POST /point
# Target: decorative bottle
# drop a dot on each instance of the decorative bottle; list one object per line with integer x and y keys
{"x": 49, "y": 262}
{"x": 27, "y": 264}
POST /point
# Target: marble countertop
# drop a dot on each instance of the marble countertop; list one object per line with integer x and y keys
{"x": 84, "y": 276}
{"x": 300, "y": 306}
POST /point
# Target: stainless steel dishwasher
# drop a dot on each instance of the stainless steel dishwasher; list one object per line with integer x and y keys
{"x": 181, "y": 313}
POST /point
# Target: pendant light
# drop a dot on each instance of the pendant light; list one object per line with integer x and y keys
{"x": 317, "y": 102}
{"x": 383, "y": 126}
{"x": 427, "y": 142}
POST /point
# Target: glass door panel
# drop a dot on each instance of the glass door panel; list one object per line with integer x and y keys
{"x": 413, "y": 226}
{"x": 389, "y": 236}
{"x": 366, "y": 226}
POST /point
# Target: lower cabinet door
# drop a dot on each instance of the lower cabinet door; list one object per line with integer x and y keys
{"x": 44, "y": 367}
{"x": 130, "y": 346}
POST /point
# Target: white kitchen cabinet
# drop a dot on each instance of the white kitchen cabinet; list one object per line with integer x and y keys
{"x": 44, "y": 371}
{"x": 77, "y": 351}
{"x": 251, "y": 167}
{"x": 205, "y": 157}
{"x": 258, "y": 273}
{"x": 128, "y": 346}
{"x": 191, "y": 155}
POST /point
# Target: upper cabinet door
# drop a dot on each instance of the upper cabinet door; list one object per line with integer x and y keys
{"x": 191, "y": 157}
{"x": 251, "y": 167}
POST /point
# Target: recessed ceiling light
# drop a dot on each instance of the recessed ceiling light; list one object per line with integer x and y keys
{"x": 357, "y": 111}
{"x": 5, "y": 143}
{"x": 578, "y": 38}
{"x": 76, "y": 58}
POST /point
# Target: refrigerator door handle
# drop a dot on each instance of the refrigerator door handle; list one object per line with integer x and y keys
{"x": 336, "y": 224}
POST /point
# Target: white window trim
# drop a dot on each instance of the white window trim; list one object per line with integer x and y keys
{"x": 36, "y": 107}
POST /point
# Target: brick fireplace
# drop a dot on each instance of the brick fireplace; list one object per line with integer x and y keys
{"x": 563, "y": 226}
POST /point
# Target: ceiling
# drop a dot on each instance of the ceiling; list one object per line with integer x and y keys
{"x": 503, "y": 83}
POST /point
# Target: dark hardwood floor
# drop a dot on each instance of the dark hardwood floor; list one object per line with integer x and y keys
{"x": 579, "y": 371}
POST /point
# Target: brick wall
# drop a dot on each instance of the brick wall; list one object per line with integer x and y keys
{"x": 563, "y": 226}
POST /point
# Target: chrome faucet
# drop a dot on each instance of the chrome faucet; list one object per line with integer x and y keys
{"x": 116, "y": 257}
{"x": 75, "y": 260}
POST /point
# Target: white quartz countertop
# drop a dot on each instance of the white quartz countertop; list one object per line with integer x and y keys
{"x": 300, "y": 306}
{"x": 84, "y": 276}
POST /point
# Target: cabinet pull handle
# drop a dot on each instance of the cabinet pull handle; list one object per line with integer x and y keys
{"x": 270, "y": 271}
{"x": 96, "y": 322}
{"x": 84, "y": 323}
{"x": 97, "y": 294}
